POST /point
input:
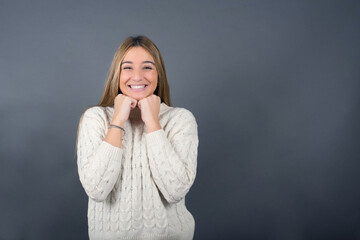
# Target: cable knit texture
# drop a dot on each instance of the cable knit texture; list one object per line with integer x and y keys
{"x": 138, "y": 191}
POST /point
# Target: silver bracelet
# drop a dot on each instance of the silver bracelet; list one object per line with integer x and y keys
{"x": 116, "y": 126}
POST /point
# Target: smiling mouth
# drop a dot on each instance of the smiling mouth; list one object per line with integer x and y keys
{"x": 138, "y": 86}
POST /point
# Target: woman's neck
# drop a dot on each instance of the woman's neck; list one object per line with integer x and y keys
{"x": 135, "y": 114}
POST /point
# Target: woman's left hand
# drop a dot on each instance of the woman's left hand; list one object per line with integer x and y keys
{"x": 150, "y": 109}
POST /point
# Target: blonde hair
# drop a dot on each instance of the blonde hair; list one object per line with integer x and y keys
{"x": 112, "y": 89}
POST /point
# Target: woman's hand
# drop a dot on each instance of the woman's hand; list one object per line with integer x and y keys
{"x": 122, "y": 107}
{"x": 150, "y": 109}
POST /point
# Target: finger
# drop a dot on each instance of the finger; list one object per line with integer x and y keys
{"x": 134, "y": 103}
{"x": 157, "y": 99}
{"x": 133, "y": 100}
{"x": 139, "y": 104}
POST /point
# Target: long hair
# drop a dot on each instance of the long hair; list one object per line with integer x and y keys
{"x": 112, "y": 89}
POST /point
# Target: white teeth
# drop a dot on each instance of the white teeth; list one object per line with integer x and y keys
{"x": 137, "y": 87}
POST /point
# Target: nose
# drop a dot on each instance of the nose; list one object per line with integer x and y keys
{"x": 137, "y": 76}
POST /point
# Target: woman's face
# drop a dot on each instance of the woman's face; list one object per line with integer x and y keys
{"x": 138, "y": 76}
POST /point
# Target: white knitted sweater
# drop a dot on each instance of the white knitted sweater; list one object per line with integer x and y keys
{"x": 138, "y": 191}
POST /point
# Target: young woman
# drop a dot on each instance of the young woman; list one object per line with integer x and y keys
{"x": 136, "y": 154}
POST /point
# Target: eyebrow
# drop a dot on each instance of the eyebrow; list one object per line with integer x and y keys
{"x": 142, "y": 62}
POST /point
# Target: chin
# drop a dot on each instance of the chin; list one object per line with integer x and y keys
{"x": 138, "y": 97}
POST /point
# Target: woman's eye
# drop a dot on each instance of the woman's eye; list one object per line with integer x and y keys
{"x": 147, "y": 67}
{"x": 127, "y": 68}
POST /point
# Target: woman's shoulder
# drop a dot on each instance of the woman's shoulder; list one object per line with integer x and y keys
{"x": 177, "y": 113}
{"x": 97, "y": 112}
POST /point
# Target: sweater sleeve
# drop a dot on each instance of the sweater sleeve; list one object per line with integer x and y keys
{"x": 173, "y": 156}
{"x": 99, "y": 162}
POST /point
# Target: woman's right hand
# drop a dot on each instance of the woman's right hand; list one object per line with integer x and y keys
{"x": 122, "y": 107}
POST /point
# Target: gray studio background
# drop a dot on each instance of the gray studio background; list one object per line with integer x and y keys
{"x": 274, "y": 86}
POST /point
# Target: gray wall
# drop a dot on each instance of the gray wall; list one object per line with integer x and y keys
{"x": 274, "y": 86}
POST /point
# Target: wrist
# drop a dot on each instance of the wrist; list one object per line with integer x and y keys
{"x": 118, "y": 123}
{"x": 118, "y": 127}
{"x": 153, "y": 126}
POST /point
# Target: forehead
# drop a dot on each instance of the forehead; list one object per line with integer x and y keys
{"x": 137, "y": 54}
